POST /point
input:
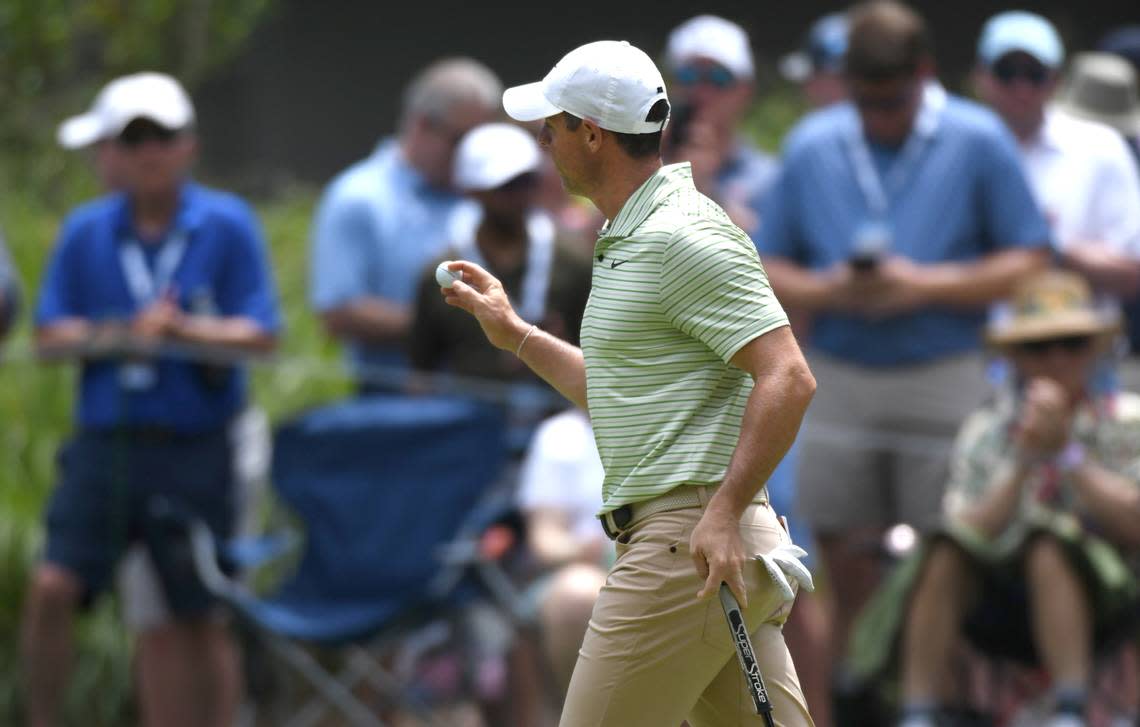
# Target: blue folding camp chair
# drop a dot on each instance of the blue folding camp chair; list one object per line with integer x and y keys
{"x": 393, "y": 493}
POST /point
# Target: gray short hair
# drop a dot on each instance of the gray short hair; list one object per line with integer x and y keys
{"x": 441, "y": 86}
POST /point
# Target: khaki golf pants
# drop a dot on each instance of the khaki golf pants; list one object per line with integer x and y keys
{"x": 654, "y": 655}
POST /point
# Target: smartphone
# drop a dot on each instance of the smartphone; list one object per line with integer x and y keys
{"x": 871, "y": 243}
{"x": 679, "y": 123}
{"x": 864, "y": 262}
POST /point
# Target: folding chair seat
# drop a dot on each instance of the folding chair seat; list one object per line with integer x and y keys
{"x": 392, "y": 493}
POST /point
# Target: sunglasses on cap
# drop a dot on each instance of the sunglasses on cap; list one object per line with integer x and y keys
{"x": 139, "y": 132}
{"x": 1068, "y": 344}
{"x": 1010, "y": 68}
{"x": 714, "y": 75}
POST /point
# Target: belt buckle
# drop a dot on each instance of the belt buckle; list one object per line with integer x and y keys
{"x": 621, "y": 517}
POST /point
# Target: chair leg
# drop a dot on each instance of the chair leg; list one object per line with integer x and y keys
{"x": 383, "y": 682}
{"x": 335, "y": 692}
{"x": 312, "y": 712}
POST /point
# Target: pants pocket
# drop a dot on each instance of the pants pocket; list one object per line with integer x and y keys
{"x": 763, "y": 596}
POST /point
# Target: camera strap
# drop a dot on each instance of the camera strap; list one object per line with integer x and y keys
{"x": 531, "y": 299}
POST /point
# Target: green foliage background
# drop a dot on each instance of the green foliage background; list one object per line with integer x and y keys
{"x": 54, "y": 54}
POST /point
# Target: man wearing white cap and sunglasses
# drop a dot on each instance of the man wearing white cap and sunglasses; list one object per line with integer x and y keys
{"x": 695, "y": 387}
{"x": 497, "y": 165}
{"x": 1081, "y": 172}
{"x": 159, "y": 262}
{"x": 710, "y": 61}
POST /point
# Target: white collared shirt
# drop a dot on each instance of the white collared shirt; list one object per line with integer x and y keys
{"x": 1086, "y": 183}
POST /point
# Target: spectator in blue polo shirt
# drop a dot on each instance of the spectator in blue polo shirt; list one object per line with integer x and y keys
{"x": 141, "y": 283}
{"x": 384, "y": 218}
{"x": 9, "y": 291}
{"x": 899, "y": 216}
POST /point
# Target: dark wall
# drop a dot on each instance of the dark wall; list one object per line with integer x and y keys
{"x": 320, "y": 82}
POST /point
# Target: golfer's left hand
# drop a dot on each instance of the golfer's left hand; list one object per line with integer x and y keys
{"x": 718, "y": 554}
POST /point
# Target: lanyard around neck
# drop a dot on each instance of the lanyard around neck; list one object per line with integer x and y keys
{"x": 876, "y": 190}
{"x": 144, "y": 284}
{"x": 539, "y": 258}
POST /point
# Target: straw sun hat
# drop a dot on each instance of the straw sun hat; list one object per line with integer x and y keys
{"x": 1053, "y": 304}
{"x": 1102, "y": 87}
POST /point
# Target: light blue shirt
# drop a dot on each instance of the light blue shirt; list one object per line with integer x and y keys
{"x": 964, "y": 197}
{"x": 378, "y": 224}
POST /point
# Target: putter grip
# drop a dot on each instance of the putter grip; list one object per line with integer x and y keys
{"x": 746, "y": 654}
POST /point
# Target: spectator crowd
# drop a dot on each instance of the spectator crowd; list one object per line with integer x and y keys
{"x": 963, "y": 273}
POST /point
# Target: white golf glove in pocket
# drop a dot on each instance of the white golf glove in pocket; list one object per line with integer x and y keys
{"x": 783, "y": 566}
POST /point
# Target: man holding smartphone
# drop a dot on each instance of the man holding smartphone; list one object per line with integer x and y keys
{"x": 898, "y": 217}
{"x": 713, "y": 79}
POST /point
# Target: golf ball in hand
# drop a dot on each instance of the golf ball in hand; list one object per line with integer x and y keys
{"x": 446, "y": 277}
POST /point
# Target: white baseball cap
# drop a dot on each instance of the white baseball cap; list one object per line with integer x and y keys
{"x": 609, "y": 82}
{"x": 491, "y": 155}
{"x": 712, "y": 37}
{"x": 1018, "y": 30}
{"x": 153, "y": 96}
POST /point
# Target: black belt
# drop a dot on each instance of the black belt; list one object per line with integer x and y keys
{"x": 621, "y": 517}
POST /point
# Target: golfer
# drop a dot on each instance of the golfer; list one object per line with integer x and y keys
{"x": 695, "y": 387}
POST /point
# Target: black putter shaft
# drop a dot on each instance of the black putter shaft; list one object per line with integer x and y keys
{"x": 746, "y": 654}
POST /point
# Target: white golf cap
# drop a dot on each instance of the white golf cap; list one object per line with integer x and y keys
{"x": 491, "y": 155}
{"x": 609, "y": 82}
{"x": 714, "y": 38}
{"x": 1018, "y": 30}
{"x": 153, "y": 96}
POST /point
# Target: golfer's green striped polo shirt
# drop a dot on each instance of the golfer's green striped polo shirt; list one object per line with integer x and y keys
{"x": 677, "y": 291}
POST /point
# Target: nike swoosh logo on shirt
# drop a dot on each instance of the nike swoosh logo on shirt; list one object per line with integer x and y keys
{"x": 615, "y": 263}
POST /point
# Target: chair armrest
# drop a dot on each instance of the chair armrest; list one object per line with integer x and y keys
{"x": 256, "y": 551}
{"x": 204, "y": 551}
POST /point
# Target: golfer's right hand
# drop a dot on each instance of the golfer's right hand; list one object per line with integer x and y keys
{"x": 482, "y": 295}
